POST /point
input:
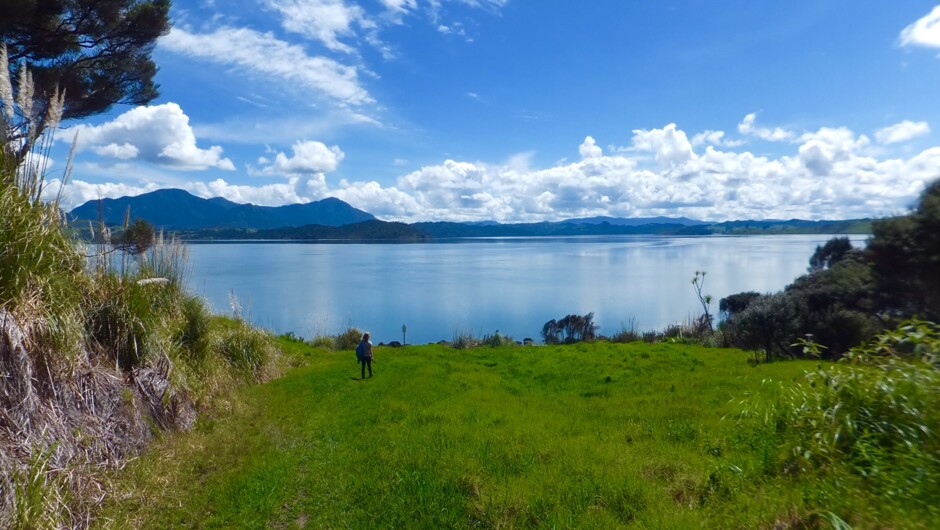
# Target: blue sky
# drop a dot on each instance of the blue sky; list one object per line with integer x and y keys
{"x": 518, "y": 110}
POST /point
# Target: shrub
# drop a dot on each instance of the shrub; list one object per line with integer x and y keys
{"x": 496, "y": 340}
{"x": 464, "y": 341}
{"x": 572, "y": 328}
{"x": 874, "y": 414}
{"x": 627, "y": 334}
{"x": 243, "y": 346}
{"x": 193, "y": 334}
{"x": 348, "y": 340}
{"x": 323, "y": 341}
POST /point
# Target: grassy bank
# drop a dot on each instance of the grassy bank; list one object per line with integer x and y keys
{"x": 591, "y": 435}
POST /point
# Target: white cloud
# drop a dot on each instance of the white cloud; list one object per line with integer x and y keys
{"x": 400, "y": 6}
{"x": 324, "y": 20}
{"x": 771, "y": 135}
{"x": 902, "y": 132}
{"x": 124, "y": 151}
{"x": 832, "y": 173}
{"x": 589, "y": 148}
{"x": 923, "y": 32}
{"x": 157, "y": 134}
{"x": 714, "y": 138}
{"x": 669, "y": 145}
{"x": 273, "y": 59}
{"x": 78, "y": 192}
{"x": 309, "y": 158}
{"x": 820, "y": 151}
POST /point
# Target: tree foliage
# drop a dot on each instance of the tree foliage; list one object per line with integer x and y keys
{"x": 829, "y": 254}
{"x": 905, "y": 257}
{"x": 137, "y": 238}
{"x": 849, "y": 295}
{"x": 96, "y": 52}
{"x": 572, "y": 328}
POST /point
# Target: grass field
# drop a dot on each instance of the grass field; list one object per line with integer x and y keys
{"x": 581, "y": 436}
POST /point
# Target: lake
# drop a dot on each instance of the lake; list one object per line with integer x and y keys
{"x": 479, "y": 286}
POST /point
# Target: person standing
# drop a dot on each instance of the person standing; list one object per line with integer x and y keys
{"x": 364, "y": 354}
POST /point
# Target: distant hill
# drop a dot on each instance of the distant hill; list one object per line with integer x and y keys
{"x": 675, "y": 228}
{"x": 634, "y": 221}
{"x": 217, "y": 219}
{"x": 366, "y": 231}
{"x": 175, "y": 209}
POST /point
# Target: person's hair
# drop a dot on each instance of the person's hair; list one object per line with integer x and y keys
{"x": 366, "y": 335}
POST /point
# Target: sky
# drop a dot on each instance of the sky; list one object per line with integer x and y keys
{"x": 526, "y": 111}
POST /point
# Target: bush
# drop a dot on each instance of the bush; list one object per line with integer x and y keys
{"x": 496, "y": 340}
{"x": 348, "y": 340}
{"x": 572, "y": 328}
{"x": 464, "y": 341}
{"x": 875, "y": 415}
{"x": 626, "y": 334}
{"x": 243, "y": 346}
{"x": 193, "y": 334}
{"x": 323, "y": 341}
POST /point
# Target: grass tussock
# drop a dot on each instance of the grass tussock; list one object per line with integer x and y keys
{"x": 101, "y": 350}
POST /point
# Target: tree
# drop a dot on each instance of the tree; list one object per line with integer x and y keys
{"x": 905, "y": 256}
{"x": 137, "y": 238}
{"x": 95, "y": 52}
{"x": 829, "y": 254}
{"x": 575, "y": 328}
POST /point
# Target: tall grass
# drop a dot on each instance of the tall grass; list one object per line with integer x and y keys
{"x": 872, "y": 418}
{"x": 98, "y": 352}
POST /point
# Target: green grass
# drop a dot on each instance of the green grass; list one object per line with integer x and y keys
{"x": 587, "y": 436}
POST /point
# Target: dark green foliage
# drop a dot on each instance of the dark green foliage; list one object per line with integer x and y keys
{"x": 97, "y": 51}
{"x": 849, "y": 295}
{"x": 905, "y": 256}
{"x": 829, "y": 254}
{"x": 136, "y": 238}
{"x": 194, "y": 331}
{"x": 769, "y": 323}
{"x": 572, "y": 328}
{"x": 735, "y": 303}
{"x": 348, "y": 340}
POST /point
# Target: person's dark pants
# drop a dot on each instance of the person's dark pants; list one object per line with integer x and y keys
{"x": 366, "y": 361}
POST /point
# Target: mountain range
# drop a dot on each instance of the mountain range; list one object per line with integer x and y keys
{"x": 195, "y": 218}
{"x": 174, "y": 209}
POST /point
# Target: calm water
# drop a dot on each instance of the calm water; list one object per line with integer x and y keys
{"x": 480, "y": 286}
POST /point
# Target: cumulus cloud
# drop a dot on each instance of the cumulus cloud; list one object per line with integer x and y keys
{"x": 710, "y": 137}
{"x": 589, "y": 148}
{"x": 271, "y": 58}
{"x": 309, "y": 158}
{"x": 158, "y": 134}
{"x": 830, "y": 173}
{"x": 771, "y": 135}
{"x": 78, "y": 192}
{"x": 924, "y": 32}
{"x": 902, "y": 132}
{"x": 669, "y": 145}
